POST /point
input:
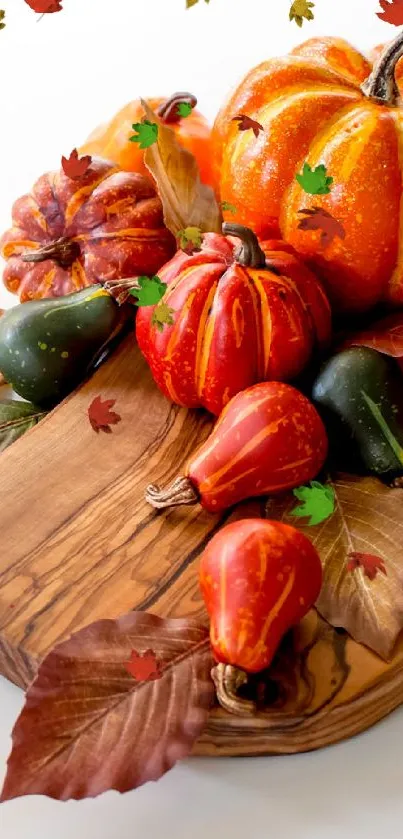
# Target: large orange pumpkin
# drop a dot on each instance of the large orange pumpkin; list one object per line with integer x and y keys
{"x": 239, "y": 316}
{"x": 112, "y": 140}
{"x": 322, "y": 105}
{"x": 68, "y": 234}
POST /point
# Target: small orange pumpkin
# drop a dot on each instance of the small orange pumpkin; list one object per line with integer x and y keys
{"x": 322, "y": 105}
{"x": 112, "y": 140}
{"x": 68, "y": 234}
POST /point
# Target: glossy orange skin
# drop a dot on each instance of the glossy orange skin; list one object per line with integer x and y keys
{"x": 115, "y": 217}
{"x": 312, "y": 109}
{"x": 268, "y": 439}
{"x": 232, "y": 327}
{"x": 112, "y": 139}
{"x": 258, "y": 579}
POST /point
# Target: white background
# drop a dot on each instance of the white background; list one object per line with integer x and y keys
{"x": 59, "y": 78}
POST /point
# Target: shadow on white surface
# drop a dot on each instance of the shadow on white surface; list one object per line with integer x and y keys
{"x": 349, "y": 791}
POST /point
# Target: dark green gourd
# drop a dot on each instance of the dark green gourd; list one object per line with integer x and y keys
{"x": 47, "y": 346}
{"x": 360, "y": 393}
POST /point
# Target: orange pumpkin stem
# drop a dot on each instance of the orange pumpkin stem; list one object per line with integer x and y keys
{"x": 381, "y": 85}
{"x": 250, "y": 254}
{"x": 168, "y": 111}
{"x": 227, "y": 680}
{"x": 181, "y": 491}
{"x": 64, "y": 251}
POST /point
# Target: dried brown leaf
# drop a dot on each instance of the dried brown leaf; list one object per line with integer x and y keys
{"x": 186, "y": 201}
{"x": 88, "y": 726}
{"x": 364, "y": 534}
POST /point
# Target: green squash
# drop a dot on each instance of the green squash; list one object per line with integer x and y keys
{"x": 360, "y": 394}
{"x": 48, "y": 346}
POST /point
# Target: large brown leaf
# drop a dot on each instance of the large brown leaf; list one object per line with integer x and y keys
{"x": 186, "y": 201}
{"x": 361, "y": 548}
{"x": 89, "y": 726}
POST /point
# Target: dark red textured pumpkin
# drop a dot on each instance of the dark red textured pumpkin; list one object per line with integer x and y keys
{"x": 240, "y": 316}
{"x": 68, "y": 234}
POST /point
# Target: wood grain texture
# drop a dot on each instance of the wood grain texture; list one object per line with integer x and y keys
{"x": 78, "y": 543}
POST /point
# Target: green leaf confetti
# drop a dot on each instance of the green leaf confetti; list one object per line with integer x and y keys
{"x": 318, "y": 502}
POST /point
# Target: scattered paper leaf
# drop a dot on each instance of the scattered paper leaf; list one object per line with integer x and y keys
{"x": 190, "y": 239}
{"x": 184, "y": 109}
{"x": 186, "y": 201}
{"x": 2, "y": 16}
{"x": 318, "y": 502}
{"x": 314, "y": 181}
{"x": 300, "y": 10}
{"x": 143, "y": 666}
{"x": 392, "y": 12}
{"x": 150, "y": 292}
{"x": 317, "y": 218}
{"x": 87, "y": 726}
{"x": 101, "y": 416}
{"x": 162, "y": 315}
{"x": 367, "y": 521}
{"x": 45, "y": 7}
{"x": 246, "y": 123}
{"x": 227, "y": 207}
{"x": 146, "y": 133}
{"x": 75, "y": 167}
{"x": 15, "y": 419}
{"x": 190, "y": 3}
{"x": 369, "y": 563}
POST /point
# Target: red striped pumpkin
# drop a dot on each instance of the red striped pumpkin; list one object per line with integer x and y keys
{"x": 268, "y": 439}
{"x": 240, "y": 316}
{"x": 68, "y": 234}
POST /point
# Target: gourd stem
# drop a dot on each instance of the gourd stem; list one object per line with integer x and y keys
{"x": 227, "y": 680}
{"x": 181, "y": 491}
{"x": 250, "y": 254}
{"x": 381, "y": 85}
{"x": 63, "y": 251}
{"x": 120, "y": 289}
{"x": 168, "y": 111}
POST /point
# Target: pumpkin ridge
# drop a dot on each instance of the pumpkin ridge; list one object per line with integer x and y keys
{"x": 394, "y": 289}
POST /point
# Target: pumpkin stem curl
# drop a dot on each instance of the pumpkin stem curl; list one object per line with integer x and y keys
{"x": 168, "y": 111}
{"x": 181, "y": 491}
{"x": 63, "y": 251}
{"x": 227, "y": 680}
{"x": 381, "y": 85}
{"x": 250, "y": 254}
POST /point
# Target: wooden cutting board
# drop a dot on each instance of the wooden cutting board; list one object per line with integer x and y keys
{"x": 78, "y": 543}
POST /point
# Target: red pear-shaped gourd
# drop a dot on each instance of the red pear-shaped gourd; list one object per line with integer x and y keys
{"x": 258, "y": 578}
{"x": 268, "y": 439}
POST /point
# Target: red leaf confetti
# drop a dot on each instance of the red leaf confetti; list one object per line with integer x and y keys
{"x": 75, "y": 167}
{"x": 319, "y": 219}
{"x": 245, "y": 123}
{"x": 392, "y": 12}
{"x": 369, "y": 563}
{"x": 143, "y": 668}
{"x": 100, "y": 415}
{"x": 45, "y": 7}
